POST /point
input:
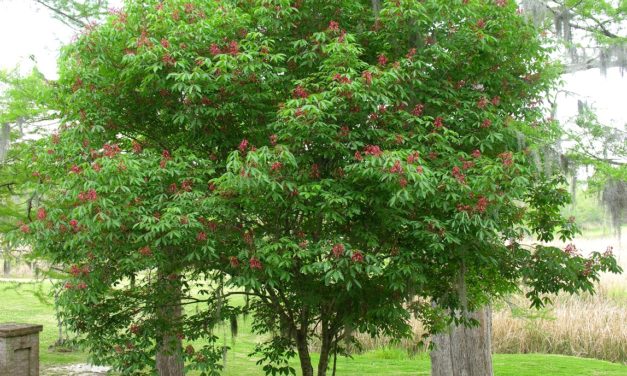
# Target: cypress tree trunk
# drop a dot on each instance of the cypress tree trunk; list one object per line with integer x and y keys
{"x": 465, "y": 351}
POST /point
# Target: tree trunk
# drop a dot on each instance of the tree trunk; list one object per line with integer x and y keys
{"x": 303, "y": 352}
{"x": 465, "y": 351}
{"x": 325, "y": 350}
{"x": 6, "y": 267}
{"x": 169, "y": 360}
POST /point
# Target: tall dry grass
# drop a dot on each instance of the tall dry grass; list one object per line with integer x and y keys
{"x": 591, "y": 326}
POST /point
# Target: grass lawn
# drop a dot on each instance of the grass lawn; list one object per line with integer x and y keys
{"x": 19, "y": 303}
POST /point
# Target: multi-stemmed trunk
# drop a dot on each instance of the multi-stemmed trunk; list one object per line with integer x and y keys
{"x": 303, "y": 352}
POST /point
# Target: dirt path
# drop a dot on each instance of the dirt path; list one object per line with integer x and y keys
{"x": 75, "y": 370}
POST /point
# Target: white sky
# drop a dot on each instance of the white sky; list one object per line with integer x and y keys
{"x": 27, "y": 29}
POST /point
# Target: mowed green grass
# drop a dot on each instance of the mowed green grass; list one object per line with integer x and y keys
{"x": 19, "y": 303}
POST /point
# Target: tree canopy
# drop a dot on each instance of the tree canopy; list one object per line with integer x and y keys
{"x": 341, "y": 165}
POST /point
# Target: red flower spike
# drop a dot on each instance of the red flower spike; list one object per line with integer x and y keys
{"x": 201, "y": 237}
{"x": 397, "y": 168}
{"x": 254, "y": 263}
{"x": 300, "y": 92}
{"x": 145, "y": 251}
{"x": 476, "y": 153}
{"x": 367, "y": 76}
{"x": 373, "y": 150}
{"x": 357, "y": 257}
{"x": 234, "y": 262}
{"x": 276, "y": 166}
{"x": 41, "y": 214}
{"x": 338, "y": 250}
{"x": 418, "y": 110}
{"x": 438, "y": 122}
{"x": 334, "y": 26}
{"x": 214, "y": 49}
{"x": 382, "y": 60}
{"x": 243, "y": 145}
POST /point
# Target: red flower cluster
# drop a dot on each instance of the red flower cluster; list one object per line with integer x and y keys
{"x": 397, "y": 168}
{"x": 276, "y": 166}
{"x": 507, "y": 158}
{"x": 173, "y": 188}
{"x": 482, "y": 103}
{"x": 338, "y": 250}
{"x": 74, "y": 224}
{"x": 273, "y": 139}
{"x": 382, "y": 59}
{"x": 468, "y": 164}
{"x": 334, "y": 26}
{"x": 358, "y": 156}
{"x": 476, "y": 153}
{"x": 367, "y": 76}
{"x": 201, "y": 236}
{"x": 482, "y": 204}
{"x": 111, "y": 150}
{"x": 77, "y": 271}
{"x": 41, "y": 214}
{"x": 418, "y": 109}
{"x": 570, "y": 250}
{"x": 402, "y": 182}
{"x": 137, "y": 147}
{"x": 243, "y": 145}
{"x": 89, "y": 195}
{"x": 315, "y": 171}
{"x": 413, "y": 157}
{"x": 457, "y": 173}
{"x": 300, "y": 92}
{"x": 341, "y": 79}
{"x": 25, "y": 229}
{"x": 254, "y": 263}
{"x": 357, "y": 257}
{"x": 234, "y": 261}
{"x": 486, "y": 123}
{"x": 373, "y": 150}
{"x": 168, "y": 59}
{"x": 76, "y": 170}
{"x": 186, "y": 185}
{"x": 438, "y": 122}
{"x": 165, "y": 43}
{"x": 214, "y": 49}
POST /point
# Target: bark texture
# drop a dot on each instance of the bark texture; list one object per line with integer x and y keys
{"x": 303, "y": 353}
{"x": 465, "y": 351}
{"x": 169, "y": 360}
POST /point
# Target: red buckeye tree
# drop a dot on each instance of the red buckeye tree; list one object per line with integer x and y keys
{"x": 341, "y": 165}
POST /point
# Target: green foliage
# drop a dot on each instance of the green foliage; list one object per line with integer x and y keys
{"x": 334, "y": 167}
